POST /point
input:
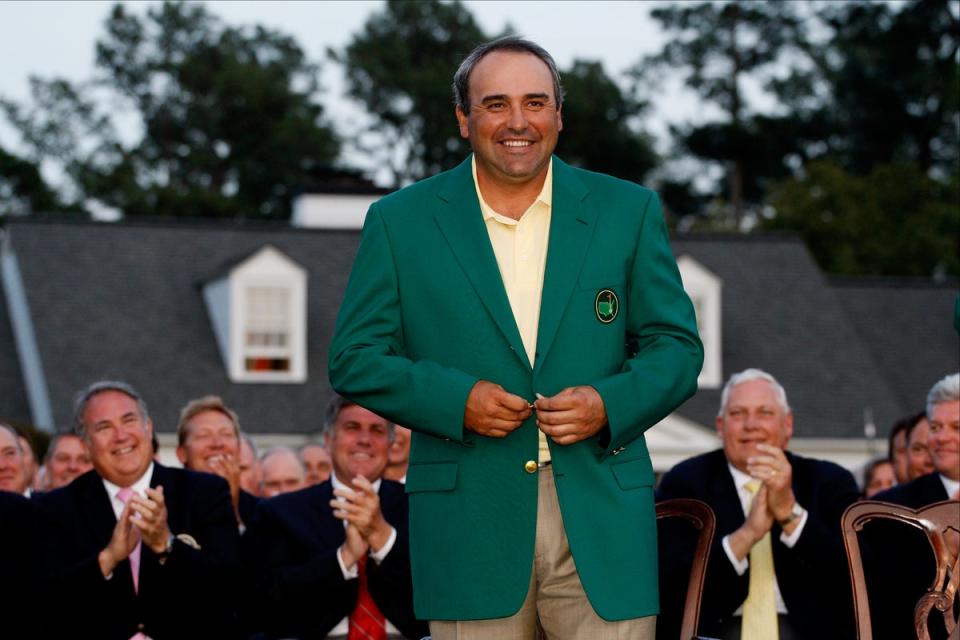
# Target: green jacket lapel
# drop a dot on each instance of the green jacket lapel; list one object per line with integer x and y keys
{"x": 571, "y": 228}
{"x": 462, "y": 225}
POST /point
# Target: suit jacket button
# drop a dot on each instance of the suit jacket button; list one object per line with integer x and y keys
{"x": 530, "y": 466}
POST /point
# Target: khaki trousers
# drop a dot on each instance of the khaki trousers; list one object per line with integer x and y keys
{"x": 556, "y": 608}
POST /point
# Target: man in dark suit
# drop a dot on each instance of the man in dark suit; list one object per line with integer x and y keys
{"x": 333, "y": 558}
{"x": 133, "y": 548}
{"x": 18, "y": 544}
{"x": 208, "y": 439}
{"x": 898, "y": 563}
{"x": 768, "y": 502}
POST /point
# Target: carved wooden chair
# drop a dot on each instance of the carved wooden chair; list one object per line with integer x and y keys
{"x": 700, "y": 515}
{"x": 939, "y": 521}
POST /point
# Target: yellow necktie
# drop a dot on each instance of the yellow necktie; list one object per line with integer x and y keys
{"x": 760, "y": 607}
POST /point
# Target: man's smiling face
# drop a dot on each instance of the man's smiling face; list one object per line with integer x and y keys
{"x": 513, "y": 122}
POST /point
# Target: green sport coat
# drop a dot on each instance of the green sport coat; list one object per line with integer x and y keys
{"x": 425, "y": 316}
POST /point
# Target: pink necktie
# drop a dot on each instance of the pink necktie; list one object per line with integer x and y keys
{"x": 134, "y": 557}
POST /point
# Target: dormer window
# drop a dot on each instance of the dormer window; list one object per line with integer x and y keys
{"x": 268, "y": 332}
{"x": 704, "y": 289}
{"x": 258, "y": 309}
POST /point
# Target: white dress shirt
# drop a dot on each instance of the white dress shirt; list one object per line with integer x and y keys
{"x": 740, "y": 479}
{"x": 352, "y": 572}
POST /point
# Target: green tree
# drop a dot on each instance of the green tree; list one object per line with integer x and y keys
{"x": 716, "y": 47}
{"x": 23, "y": 190}
{"x": 896, "y": 220}
{"x": 400, "y": 67}
{"x": 894, "y": 84}
{"x": 228, "y": 118}
{"x": 597, "y": 132}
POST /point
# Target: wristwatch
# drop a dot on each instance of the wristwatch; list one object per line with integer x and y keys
{"x": 163, "y": 555}
{"x": 795, "y": 513}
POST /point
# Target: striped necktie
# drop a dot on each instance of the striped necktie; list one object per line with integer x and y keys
{"x": 366, "y": 621}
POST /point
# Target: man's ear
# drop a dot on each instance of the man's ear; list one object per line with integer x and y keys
{"x": 787, "y": 429}
{"x": 462, "y": 122}
{"x": 181, "y": 454}
{"x": 559, "y": 119}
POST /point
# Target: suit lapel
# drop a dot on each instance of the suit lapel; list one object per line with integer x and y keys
{"x": 462, "y": 225}
{"x": 327, "y": 523}
{"x": 572, "y": 222}
{"x": 98, "y": 509}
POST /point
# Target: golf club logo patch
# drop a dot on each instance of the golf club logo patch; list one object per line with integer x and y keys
{"x": 607, "y": 306}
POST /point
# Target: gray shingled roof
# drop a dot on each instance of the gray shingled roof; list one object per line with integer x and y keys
{"x": 909, "y": 325}
{"x": 123, "y": 301}
{"x": 781, "y": 314}
{"x": 13, "y": 397}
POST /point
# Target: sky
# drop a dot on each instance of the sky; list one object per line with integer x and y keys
{"x": 55, "y": 38}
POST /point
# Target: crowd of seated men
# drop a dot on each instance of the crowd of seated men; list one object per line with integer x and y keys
{"x": 313, "y": 543}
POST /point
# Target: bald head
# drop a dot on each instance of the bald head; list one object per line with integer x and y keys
{"x": 280, "y": 472}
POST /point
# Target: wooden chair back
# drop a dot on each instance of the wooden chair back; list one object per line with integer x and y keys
{"x": 941, "y": 523}
{"x": 701, "y": 516}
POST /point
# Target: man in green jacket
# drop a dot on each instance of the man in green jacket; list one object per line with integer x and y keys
{"x": 526, "y": 319}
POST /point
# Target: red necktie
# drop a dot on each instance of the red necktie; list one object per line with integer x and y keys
{"x": 366, "y": 621}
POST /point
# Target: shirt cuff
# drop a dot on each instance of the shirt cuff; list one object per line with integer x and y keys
{"x": 790, "y": 540}
{"x": 353, "y": 572}
{"x": 740, "y": 566}
{"x": 348, "y": 574}
{"x": 378, "y": 556}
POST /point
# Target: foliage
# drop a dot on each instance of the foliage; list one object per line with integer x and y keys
{"x": 400, "y": 67}
{"x": 894, "y": 84}
{"x": 22, "y": 188}
{"x": 894, "y": 221}
{"x": 596, "y": 125}
{"x": 715, "y": 47}
{"x": 228, "y": 124}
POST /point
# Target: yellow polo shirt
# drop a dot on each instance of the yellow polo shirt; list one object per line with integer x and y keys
{"x": 521, "y": 250}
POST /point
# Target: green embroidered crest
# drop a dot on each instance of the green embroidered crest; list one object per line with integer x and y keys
{"x": 607, "y": 306}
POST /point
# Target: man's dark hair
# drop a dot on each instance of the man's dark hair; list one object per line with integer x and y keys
{"x": 54, "y": 441}
{"x": 82, "y": 399}
{"x": 337, "y": 404}
{"x": 905, "y": 425}
{"x": 461, "y": 79}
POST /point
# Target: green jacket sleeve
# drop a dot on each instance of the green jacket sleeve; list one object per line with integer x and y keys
{"x": 665, "y": 352}
{"x": 366, "y": 361}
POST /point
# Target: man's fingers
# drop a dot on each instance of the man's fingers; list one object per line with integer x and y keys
{"x": 566, "y": 399}
{"x": 511, "y": 402}
{"x": 361, "y": 482}
{"x": 558, "y": 418}
{"x": 345, "y": 493}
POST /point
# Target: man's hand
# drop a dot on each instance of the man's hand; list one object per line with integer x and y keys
{"x": 774, "y": 470}
{"x": 227, "y": 467}
{"x": 360, "y": 507}
{"x": 149, "y": 515}
{"x": 574, "y": 414}
{"x": 492, "y": 411}
{"x": 759, "y": 522}
{"x": 354, "y": 548}
{"x": 122, "y": 543}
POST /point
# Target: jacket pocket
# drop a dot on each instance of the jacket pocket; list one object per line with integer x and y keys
{"x": 633, "y": 474}
{"x": 433, "y": 476}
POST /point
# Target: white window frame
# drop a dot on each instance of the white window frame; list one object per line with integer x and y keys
{"x": 227, "y": 300}
{"x": 706, "y": 292}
